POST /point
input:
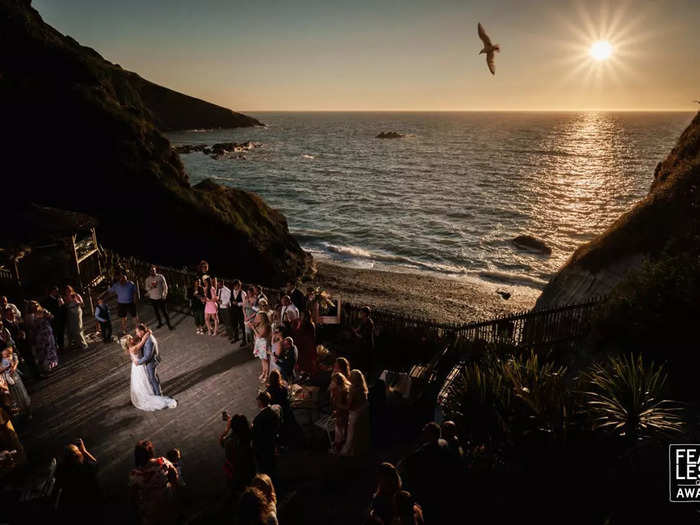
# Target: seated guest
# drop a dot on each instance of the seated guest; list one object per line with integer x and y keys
{"x": 76, "y": 476}
{"x": 254, "y": 509}
{"x": 152, "y": 484}
{"x": 388, "y": 486}
{"x": 21, "y": 402}
{"x": 266, "y": 425}
{"x": 5, "y": 304}
{"x": 239, "y": 465}
{"x": 175, "y": 457}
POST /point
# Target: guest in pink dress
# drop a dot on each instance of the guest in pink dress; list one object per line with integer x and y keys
{"x": 211, "y": 306}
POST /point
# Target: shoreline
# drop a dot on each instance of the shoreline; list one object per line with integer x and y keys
{"x": 421, "y": 294}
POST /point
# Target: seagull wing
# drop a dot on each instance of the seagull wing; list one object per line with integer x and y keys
{"x": 484, "y": 37}
{"x": 489, "y": 60}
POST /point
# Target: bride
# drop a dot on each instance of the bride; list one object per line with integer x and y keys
{"x": 142, "y": 396}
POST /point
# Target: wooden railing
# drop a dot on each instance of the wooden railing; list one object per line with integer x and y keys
{"x": 534, "y": 328}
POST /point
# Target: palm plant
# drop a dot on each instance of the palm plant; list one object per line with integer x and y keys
{"x": 625, "y": 396}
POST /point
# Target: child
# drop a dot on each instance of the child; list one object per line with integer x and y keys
{"x": 175, "y": 457}
{"x": 103, "y": 317}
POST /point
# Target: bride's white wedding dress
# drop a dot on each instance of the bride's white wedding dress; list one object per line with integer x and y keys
{"x": 142, "y": 396}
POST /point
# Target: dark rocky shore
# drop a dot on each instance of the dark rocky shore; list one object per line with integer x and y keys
{"x": 84, "y": 135}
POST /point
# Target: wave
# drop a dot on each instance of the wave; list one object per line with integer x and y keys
{"x": 307, "y": 156}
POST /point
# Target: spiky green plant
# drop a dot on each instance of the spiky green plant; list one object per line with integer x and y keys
{"x": 624, "y": 395}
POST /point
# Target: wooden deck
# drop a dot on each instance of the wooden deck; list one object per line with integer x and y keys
{"x": 88, "y": 398}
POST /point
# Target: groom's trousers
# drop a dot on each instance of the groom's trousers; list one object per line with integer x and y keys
{"x": 152, "y": 372}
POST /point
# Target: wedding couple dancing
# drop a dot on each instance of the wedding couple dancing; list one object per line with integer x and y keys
{"x": 145, "y": 383}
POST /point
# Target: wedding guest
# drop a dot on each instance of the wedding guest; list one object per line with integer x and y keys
{"x": 197, "y": 306}
{"x": 430, "y": 461}
{"x": 250, "y": 310}
{"x": 203, "y": 270}
{"x": 339, "y": 390}
{"x": 279, "y": 395}
{"x": 264, "y": 307}
{"x": 6, "y": 338}
{"x": 406, "y": 510}
{"x": 157, "y": 291}
{"x": 275, "y": 348}
{"x": 239, "y": 466}
{"x": 103, "y": 317}
{"x": 388, "y": 486}
{"x": 304, "y": 334}
{"x": 41, "y": 339}
{"x": 262, "y": 334}
{"x": 254, "y": 509}
{"x": 5, "y": 304}
{"x": 74, "y": 317}
{"x": 296, "y": 296}
{"x": 263, "y": 483}
{"x": 358, "y": 434}
{"x": 152, "y": 484}
{"x": 53, "y": 302}
{"x": 448, "y": 431}
{"x": 21, "y": 402}
{"x": 76, "y": 477}
{"x": 287, "y": 358}
{"x": 266, "y": 425}
{"x": 224, "y": 294}
{"x": 238, "y": 300}
{"x": 288, "y": 312}
{"x": 211, "y": 306}
{"x": 27, "y": 364}
{"x": 342, "y": 365}
{"x": 125, "y": 290}
{"x": 364, "y": 335}
{"x": 175, "y": 457}
{"x": 258, "y": 292}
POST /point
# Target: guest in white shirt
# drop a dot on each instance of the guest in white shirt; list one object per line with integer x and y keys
{"x": 288, "y": 312}
{"x": 224, "y": 294}
{"x": 157, "y": 291}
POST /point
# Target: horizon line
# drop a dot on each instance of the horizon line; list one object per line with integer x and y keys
{"x": 621, "y": 110}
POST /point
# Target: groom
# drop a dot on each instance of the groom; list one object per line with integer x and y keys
{"x": 150, "y": 358}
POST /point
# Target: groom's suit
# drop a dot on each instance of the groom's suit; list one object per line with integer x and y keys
{"x": 150, "y": 360}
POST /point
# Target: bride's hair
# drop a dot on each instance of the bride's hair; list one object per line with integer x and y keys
{"x": 126, "y": 342}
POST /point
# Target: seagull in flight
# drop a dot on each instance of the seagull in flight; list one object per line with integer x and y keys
{"x": 489, "y": 48}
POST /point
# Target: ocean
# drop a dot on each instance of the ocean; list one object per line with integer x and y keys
{"x": 450, "y": 196}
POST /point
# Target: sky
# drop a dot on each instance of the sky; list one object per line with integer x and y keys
{"x": 403, "y": 55}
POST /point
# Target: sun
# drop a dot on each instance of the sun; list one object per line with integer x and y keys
{"x": 601, "y": 50}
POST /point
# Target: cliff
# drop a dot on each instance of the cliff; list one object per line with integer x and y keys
{"x": 665, "y": 224}
{"x": 82, "y": 134}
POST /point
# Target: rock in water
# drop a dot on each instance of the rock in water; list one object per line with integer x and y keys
{"x": 108, "y": 159}
{"x": 528, "y": 242}
{"x": 390, "y": 135}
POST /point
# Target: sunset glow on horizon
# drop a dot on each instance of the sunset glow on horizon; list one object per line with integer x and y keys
{"x": 408, "y": 56}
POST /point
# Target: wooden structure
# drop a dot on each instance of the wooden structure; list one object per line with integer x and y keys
{"x": 44, "y": 246}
